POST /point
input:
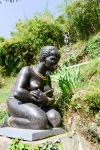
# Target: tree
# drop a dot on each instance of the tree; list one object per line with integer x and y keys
{"x": 11, "y": 1}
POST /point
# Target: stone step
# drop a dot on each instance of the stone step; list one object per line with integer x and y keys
{"x": 75, "y": 142}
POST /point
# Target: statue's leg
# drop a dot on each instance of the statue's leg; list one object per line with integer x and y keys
{"x": 26, "y": 115}
{"x": 54, "y": 117}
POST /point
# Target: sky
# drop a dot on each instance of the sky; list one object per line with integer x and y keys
{"x": 10, "y": 13}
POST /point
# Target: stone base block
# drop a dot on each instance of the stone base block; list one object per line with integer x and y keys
{"x": 28, "y": 134}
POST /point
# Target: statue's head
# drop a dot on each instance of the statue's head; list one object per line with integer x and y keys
{"x": 50, "y": 56}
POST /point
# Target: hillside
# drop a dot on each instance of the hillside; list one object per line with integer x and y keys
{"x": 78, "y": 95}
{"x": 79, "y": 92}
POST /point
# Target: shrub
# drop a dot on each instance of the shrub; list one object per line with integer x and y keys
{"x": 24, "y": 46}
{"x": 93, "y": 48}
{"x": 17, "y": 145}
{"x": 1, "y": 82}
{"x": 82, "y": 18}
{"x": 93, "y": 100}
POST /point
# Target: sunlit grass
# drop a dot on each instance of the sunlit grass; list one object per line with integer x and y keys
{"x": 5, "y": 90}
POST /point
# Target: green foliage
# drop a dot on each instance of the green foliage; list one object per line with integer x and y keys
{"x": 93, "y": 100}
{"x": 93, "y": 48}
{"x": 88, "y": 94}
{"x": 68, "y": 79}
{"x": 3, "y": 115}
{"x": 75, "y": 105}
{"x": 24, "y": 46}
{"x": 5, "y": 90}
{"x": 90, "y": 70}
{"x": 82, "y": 18}
{"x": 1, "y": 82}
{"x": 83, "y": 50}
{"x": 50, "y": 145}
{"x": 17, "y": 145}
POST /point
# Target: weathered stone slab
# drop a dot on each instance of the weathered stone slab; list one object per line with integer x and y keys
{"x": 75, "y": 142}
{"x": 28, "y": 134}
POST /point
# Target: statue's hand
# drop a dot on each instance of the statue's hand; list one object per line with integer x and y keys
{"x": 50, "y": 101}
{"x": 39, "y": 97}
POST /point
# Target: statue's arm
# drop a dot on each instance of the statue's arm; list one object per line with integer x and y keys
{"x": 19, "y": 91}
{"x": 43, "y": 98}
{"x": 49, "y": 92}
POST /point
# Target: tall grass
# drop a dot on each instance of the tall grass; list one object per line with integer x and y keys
{"x": 68, "y": 80}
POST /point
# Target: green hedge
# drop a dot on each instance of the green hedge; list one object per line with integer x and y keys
{"x": 24, "y": 46}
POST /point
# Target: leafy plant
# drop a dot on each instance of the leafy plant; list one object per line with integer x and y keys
{"x": 68, "y": 79}
{"x": 3, "y": 115}
{"x": 52, "y": 146}
{"x": 17, "y": 145}
{"x": 93, "y": 48}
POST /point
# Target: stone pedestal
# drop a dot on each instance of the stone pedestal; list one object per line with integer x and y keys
{"x": 28, "y": 134}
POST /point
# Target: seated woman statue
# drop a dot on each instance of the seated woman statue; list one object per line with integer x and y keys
{"x": 30, "y": 102}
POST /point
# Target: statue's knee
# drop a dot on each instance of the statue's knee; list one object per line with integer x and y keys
{"x": 54, "y": 117}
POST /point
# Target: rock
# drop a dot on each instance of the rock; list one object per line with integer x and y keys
{"x": 4, "y": 143}
{"x": 76, "y": 142}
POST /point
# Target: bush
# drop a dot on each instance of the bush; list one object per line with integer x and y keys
{"x": 82, "y": 18}
{"x": 1, "y": 82}
{"x": 24, "y": 46}
{"x": 93, "y": 48}
{"x": 93, "y": 100}
{"x": 17, "y": 145}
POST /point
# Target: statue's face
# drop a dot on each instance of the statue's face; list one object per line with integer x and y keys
{"x": 51, "y": 62}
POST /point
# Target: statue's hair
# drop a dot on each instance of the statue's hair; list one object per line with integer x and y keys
{"x": 46, "y": 51}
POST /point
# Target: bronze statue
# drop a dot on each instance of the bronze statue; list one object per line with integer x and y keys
{"x": 30, "y": 103}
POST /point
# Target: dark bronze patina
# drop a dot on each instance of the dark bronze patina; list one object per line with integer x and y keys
{"x": 30, "y": 103}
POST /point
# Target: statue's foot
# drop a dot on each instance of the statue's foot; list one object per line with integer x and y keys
{"x": 10, "y": 121}
{"x": 25, "y": 123}
{"x": 18, "y": 122}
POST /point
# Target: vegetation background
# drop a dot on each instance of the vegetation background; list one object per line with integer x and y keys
{"x": 78, "y": 96}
